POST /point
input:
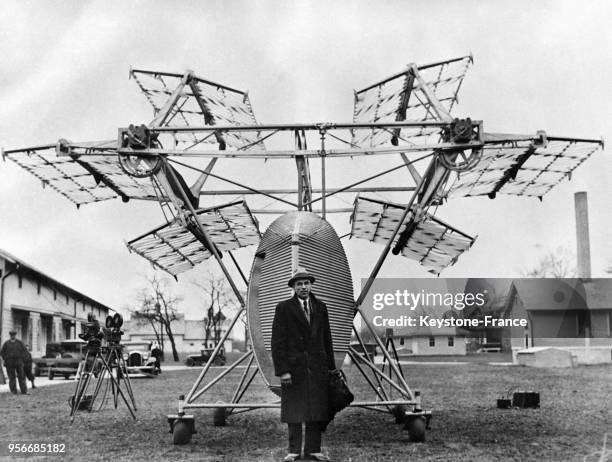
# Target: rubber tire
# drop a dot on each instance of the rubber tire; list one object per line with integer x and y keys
{"x": 181, "y": 434}
{"x": 190, "y": 362}
{"x": 51, "y": 375}
{"x": 416, "y": 429}
{"x": 399, "y": 413}
{"x": 67, "y": 376}
{"x": 37, "y": 371}
{"x": 220, "y": 417}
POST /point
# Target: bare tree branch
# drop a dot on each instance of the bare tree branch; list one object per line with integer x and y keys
{"x": 558, "y": 264}
{"x": 158, "y": 307}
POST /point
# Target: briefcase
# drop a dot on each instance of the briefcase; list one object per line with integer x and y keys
{"x": 339, "y": 395}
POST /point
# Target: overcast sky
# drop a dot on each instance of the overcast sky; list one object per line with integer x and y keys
{"x": 64, "y": 73}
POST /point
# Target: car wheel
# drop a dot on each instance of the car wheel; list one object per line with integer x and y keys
{"x": 67, "y": 376}
{"x": 37, "y": 371}
{"x": 51, "y": 375}
{"x": 181, "y": 433}
{"x": 190, "y": 362}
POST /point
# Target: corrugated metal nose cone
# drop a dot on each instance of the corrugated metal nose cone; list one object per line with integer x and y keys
{"x": 298, "y": 239}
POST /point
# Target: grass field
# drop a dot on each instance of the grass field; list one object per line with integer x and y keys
{"x": 575, "y": 413}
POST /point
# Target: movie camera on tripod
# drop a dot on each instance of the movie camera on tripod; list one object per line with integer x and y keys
{"x": 103, "y": 363}
{"x": 94, "y": 334}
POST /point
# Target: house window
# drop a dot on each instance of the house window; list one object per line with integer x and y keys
{"x": 67, "y": 300}
{"x": 54, "y": 294}
{"x": 401, "y": 340}
{"x": 38, "y": 287}
{"x": 432, "y": 341}
{"x": 20, "y": 281}
{"x": 451, "y": 341}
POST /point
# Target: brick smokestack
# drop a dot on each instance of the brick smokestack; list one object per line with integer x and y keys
{"x": 582, "y": 235}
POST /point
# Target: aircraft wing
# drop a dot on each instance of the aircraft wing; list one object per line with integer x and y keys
{"x": 404, "y": 97}
{"x": 92, "y": 178}
{"x": 431, "y": 242}
{"x": 198, "y": 102}
{"x": 523, "y": 167}
{"x": 176, "y": 248}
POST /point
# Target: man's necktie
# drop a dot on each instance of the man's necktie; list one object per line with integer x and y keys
{"x": 307, "y": 310}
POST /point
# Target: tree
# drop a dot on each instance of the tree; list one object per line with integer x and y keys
{"x": 558, "y": 264}
{"x": 158, "y": 307}
{"x": 218, "y": 298}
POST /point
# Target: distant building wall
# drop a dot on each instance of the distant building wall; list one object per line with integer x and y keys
{"x": 189, "y": 335}
{"x": 437, "y": 345}
{"x": 39, "y": 308}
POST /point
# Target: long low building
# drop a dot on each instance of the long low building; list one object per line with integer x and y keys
{"x": 40, "y": 308}
{"x": 189, "y": 334}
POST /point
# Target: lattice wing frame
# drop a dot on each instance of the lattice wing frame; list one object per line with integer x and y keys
{"x": 385, "y": 102}
{"x": 201, "y": 102}
{"x": 434, "y": 244}
{"x": 175, "y": 249}
{"x": 80, "y": 181}
{"x": 523, "y": 169}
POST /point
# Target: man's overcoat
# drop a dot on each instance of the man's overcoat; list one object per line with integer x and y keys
{"x": 306, "y": 351}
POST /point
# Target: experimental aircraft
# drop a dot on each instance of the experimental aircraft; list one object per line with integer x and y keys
{"x": 412, "y": 147}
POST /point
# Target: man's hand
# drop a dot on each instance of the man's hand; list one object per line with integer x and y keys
{"x": 286, "y": 378}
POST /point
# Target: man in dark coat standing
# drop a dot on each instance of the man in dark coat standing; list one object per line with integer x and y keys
{"x": 303, "y": 356}
{"x": 13, "y": 353}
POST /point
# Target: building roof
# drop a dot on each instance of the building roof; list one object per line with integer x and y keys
{"x": 598, "y": 293}
{"x": 49, "y": 280}
{"x": 551, "y": 294}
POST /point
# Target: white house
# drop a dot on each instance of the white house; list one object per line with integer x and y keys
{"x": 189, "y": 334}
{"x": 425, "y": 341}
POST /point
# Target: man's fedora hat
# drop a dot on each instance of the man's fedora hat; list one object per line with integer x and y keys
{"x": 301, "y": 273}
{"x": 13, "y": 332}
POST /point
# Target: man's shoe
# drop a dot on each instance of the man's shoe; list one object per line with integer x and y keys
{"x": 319, "y": 456}
{"x": 292, "y": 456}
{"x": 33, "y": 386}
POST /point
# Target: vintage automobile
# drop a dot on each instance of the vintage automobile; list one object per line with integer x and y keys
{"x": 204, "y": 356}
{"x": 138, "y": 358}
{"x": 61, "y": 358}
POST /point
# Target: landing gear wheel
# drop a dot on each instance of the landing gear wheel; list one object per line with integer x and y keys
{"x": 399, "y": 412}
{"x": 181, "y": 433}
{"x": 220, "y": 417}
{"x": 416, "y": 429}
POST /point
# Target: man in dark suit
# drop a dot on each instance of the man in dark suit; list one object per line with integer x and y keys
{"x": 13, "y": 353}
{"x": 303, "y": 355}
